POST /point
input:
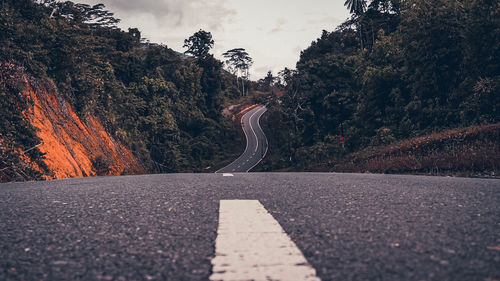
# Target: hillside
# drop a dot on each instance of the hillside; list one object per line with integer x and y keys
{"x": 81, "y": 97}
{"x": 472, "y": 151}
{"x": 74, "y": 148}
{"x": 396, "y": 70}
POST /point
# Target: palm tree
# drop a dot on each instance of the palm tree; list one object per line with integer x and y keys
{"x": 357, "y": 8}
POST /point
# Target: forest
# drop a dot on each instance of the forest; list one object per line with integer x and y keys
{"x": 165, "y": 106}
{"x": 394, "y": 70}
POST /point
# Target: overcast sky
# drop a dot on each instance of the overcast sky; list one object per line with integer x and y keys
{"x": 272, "y": 31}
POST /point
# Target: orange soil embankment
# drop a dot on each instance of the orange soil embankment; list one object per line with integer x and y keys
{"x": 70, "y": 144}
{"x": 243, "y": 111}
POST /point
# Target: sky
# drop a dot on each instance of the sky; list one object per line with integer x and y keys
{"x": 272, "y": 31}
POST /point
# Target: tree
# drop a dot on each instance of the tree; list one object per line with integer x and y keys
{"x": 95, "y": 16}
{"x": 199, "y": 44}
{"x": 268, "y": 82}
{"x": 136, "y": 34}
{"x": 286, "y": 76}
{"x": 356, "y": 7}
{"x": 239, "y": 61}
{"x": 161, "y": 106}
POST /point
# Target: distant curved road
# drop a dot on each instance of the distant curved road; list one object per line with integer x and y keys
{"x": 257, "y": 144}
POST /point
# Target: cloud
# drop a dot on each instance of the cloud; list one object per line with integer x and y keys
{"x": 272, "y": 36}
{"x": 176, "y": 13}
{"x": 279, "y": 25}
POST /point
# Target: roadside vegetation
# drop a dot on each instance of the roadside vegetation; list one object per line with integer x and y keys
{"x": 367, "y": 95}
{"x": 395, "y": 70}
{"x": 473, "y": 151}
{"x": 165, "y": 106}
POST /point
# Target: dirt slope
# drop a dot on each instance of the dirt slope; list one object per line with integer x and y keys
{"x": 71, "y": 144}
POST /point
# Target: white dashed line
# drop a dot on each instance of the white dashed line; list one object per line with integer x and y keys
{"x": 251, "y": 245}
{"x": 253, "y": 131}
{"x": 227, "y": 175}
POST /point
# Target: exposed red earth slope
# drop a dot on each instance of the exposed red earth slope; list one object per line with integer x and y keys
{"x": 70, "y": 143}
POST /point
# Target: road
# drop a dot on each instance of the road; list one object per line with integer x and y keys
{"x": 256, "y": 147}
{"x": 165, "y": 227}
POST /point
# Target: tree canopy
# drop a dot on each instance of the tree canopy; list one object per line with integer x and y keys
{"x": 356, "y": 6}
{"x": 199, "y": 44}
{"x": 166, "y": 108}
{"x": 239, "y": 62}
{"x": 425, "y": 66}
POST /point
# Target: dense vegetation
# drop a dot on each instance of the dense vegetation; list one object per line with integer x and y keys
{"x": 395, "y": 70}
{"x": 17, "y": 137}
{"x": 163, "y": 105}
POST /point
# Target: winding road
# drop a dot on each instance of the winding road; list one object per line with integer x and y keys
{"x": 256, "y": 147}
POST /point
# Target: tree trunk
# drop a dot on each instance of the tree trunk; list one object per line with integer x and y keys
{"x": 373, "y": 37}
{"x": 361, "y": 35}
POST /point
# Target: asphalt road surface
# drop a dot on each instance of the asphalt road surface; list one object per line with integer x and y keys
{"x": 256, "y": 147}
{"x": 164, "y": 227}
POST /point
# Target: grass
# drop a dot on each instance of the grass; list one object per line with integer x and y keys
{"x": 472, "y": 151}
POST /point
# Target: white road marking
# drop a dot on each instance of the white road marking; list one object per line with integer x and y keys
{"x": 253, "y": 131}
{"x": 227, "y": 175}
{"x": 267, "y": 144}
{"x": 251, "y": 245}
